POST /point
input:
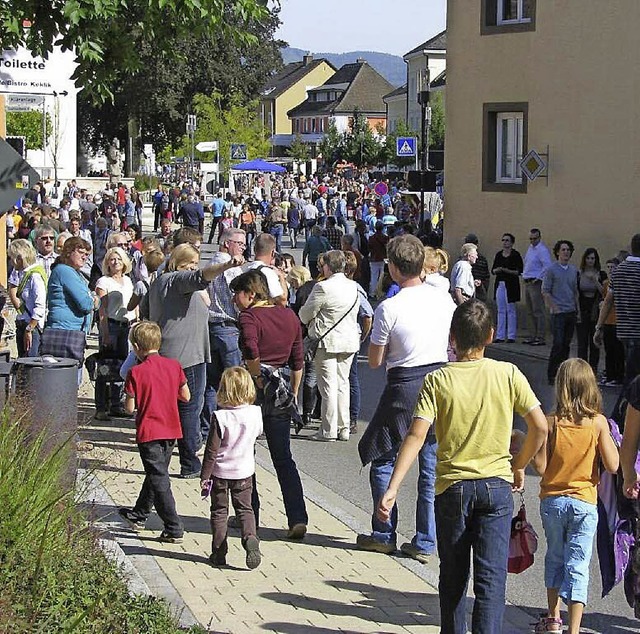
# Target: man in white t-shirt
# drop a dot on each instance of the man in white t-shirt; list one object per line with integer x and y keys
{"x": 410, "y": 335}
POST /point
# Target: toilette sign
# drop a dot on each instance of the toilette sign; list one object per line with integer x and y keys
{"x": 22, "y": 73}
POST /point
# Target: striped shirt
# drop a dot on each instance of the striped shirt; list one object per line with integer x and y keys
{"x": 625, "y": 285}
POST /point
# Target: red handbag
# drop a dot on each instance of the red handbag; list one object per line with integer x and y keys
{"x": 523, "y": 542}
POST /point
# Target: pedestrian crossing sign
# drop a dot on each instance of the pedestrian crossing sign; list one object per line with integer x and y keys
{"x": 406, "y": 146}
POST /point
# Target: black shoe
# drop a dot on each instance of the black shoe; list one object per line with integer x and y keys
{"x": 119, "y": 412}
{"x": 137, "y": 522}
{"x": 170, "y": 539}
{"x": 353, "y": 427}
{"x": 511, "y": 340}
{"x": 498, "y": 341}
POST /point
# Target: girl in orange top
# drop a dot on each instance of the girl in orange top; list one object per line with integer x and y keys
{"x": 578, "y": 439}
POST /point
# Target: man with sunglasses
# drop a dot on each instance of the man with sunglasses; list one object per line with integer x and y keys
{"x": 45, "y": 242}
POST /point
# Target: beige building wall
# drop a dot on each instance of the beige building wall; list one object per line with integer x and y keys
{"x": 577, "y": 74}
{"x": 295, "y": 95}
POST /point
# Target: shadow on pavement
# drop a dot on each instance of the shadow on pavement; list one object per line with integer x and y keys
{"x": 376, "y": 605}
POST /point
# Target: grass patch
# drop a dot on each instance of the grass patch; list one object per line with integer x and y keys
{"x": 53, "y": 576}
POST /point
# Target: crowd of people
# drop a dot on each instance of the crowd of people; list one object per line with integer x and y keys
{"x": 254, "y": 343}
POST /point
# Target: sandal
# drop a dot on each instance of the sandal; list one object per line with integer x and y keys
{"x": 548, "y": 625}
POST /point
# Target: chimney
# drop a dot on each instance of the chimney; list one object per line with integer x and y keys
{"x": 361, "y": 60}
{"x": 307, "y": 59}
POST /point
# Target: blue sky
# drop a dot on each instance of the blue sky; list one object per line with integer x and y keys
{"x": 337, "y": 26}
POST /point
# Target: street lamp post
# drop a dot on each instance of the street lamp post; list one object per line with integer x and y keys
{"x": 424, "y": 95}
{"x": 191, "y": 131}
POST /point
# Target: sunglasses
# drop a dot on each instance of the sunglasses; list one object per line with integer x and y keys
{"x": 46, "y": 237}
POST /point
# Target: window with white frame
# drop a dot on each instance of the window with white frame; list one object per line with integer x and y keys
{"x": 509, "y": 135}
{"x": 513, "y": 11}
{"x": 504, "y": 140}
{"x": 507, "y": 16}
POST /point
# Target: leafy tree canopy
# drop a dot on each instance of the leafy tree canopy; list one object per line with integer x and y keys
{"x": 161, "y": 95}
{"x": 299, "y": 150}
{"x": 108, "y": 36}
{"x": 227, "y": 121}
{"x": 29, "y": 125}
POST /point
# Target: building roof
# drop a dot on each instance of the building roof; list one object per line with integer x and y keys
{"x": 401, "y": 90}
{"x": 436, "y": 43}
{"x": 290, "y": 75}
{"x": 361, "y": 86}
{"x": 440, "y": 81}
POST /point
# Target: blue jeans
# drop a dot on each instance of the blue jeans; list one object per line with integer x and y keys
{"x": 277, "y": 231}
{"x": 354, "y": 390}
{"x": 190, "y": 412}
{"x": 277, "y": 430}
{"x": 473, "y": 514}
{"x": 225, "y": 353}
{"x": 379, "y": 477}
{"x": 562, "y": 327}
{"x": 156, "y": 488}
{"x": 569, "y": 526}
{"x": 309, "y": 388}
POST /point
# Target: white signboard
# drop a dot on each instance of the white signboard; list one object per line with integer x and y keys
{"x": 207, "y": 146}
{"x": 29, "y": 81}
{"x": 23, "y": 103}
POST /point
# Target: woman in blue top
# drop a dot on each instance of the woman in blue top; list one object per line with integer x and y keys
{"x": 69, "y": 300}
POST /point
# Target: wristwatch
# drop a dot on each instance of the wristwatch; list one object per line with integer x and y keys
{"x": 29, "y": 328}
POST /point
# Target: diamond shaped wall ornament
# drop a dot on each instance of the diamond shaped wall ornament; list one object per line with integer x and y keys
{"x": 532, "y": 164}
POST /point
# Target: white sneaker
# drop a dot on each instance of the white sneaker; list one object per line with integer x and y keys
{"x": 343, "y": 434}
{"x": 320, "y": 438}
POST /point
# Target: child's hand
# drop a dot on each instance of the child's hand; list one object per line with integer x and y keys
{"x": 518, "y": 480}
{"x": 385, "y": 505}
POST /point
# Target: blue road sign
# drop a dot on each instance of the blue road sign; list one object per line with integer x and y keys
{"x": 406, "y": 146}
{"x": 239, "y": 151}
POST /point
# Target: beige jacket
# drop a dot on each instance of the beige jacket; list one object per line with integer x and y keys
{"x": 328, "y": 302}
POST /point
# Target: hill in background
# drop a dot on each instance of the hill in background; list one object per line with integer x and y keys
{"x": 391, "y": 67}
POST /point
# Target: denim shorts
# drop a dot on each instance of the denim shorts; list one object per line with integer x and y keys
{"x": 569, "y": 526}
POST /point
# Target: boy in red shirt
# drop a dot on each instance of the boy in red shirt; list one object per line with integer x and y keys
{"x": 155, "y": 385}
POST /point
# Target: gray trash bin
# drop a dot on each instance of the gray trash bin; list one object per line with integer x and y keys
{"x": 46, "y": 391}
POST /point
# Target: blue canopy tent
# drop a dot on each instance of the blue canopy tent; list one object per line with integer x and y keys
{"x": 258, "y": 165}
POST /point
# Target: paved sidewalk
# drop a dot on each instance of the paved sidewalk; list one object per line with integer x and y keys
{"x": 322, "y": 584}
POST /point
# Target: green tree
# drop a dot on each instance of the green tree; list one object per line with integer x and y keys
{"x": 331, "y": 145}
{"x": 161, "y": 94}
{"x": 226, "y": 121}
{"x": 360, "y": 145}
{"x": 299, "y": 151}
{"x": 108, "y": 36}
{"x": 438, "y": 120}
{"x": 29, "y": 125}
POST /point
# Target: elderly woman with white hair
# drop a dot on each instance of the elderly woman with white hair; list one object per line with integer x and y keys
{"x": 28, "y": 293}
{"x": 463, "y": 286}
{"x": 114, "y": 289}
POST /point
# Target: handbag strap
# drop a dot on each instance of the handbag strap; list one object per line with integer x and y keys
{"x": 355, "y": 301}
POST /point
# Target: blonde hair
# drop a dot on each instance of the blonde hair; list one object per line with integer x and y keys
{"x": 182, "y": 255}
{"x": 24, "y": 250}
{"x": 467, "y": 248}
{"x": 236, "y": 388}
{"x": 126, "y": 261}
{"x": 146, "y": 335}
{"x": 298, "y": 275}
{"x": 576, "y": 391}
{"x": 435, "y": 261}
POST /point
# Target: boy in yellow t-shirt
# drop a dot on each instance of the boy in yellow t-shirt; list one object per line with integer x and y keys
{"x": 472, "y": 402}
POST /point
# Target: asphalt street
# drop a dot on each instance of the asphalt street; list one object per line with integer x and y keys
{"x": 337, "y": 467}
